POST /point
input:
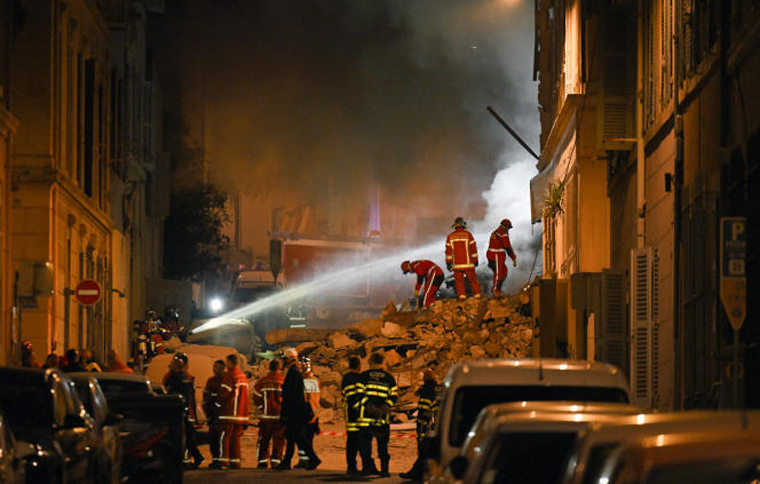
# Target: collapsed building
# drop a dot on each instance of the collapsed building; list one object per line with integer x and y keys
{"x": 446, "y": 333}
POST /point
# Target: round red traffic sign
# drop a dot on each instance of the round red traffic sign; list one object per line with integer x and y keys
{"x": 87, "y": 292}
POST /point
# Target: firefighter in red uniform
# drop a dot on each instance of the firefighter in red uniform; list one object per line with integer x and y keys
{"x": 233, "y": 414}
{"x": 499, "y": 248}
{"x": 267, "y": 395}
{"x": 429, "y": 279}
{"x": 462, "y": 258}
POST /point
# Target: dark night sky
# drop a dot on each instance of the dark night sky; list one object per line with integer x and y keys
{"x": 387, "y": 90}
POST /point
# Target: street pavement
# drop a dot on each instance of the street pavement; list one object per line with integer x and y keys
{"x": 276, "y": 477}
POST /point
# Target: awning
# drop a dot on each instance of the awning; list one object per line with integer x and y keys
{"x": 539, "y": 184}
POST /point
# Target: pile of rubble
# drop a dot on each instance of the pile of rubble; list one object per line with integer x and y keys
{"x": 446, "y": 333}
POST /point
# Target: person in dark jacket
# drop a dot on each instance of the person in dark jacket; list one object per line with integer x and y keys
{"x": 296, "y": 413}
{"x": 351, "y": 401}
{"x": 377, "y": 389}
{"x": 73, "y": 362}
{"x": 180, "y": 382}
{"x": 211, "y": 408}
{"x": 427, "y": 409}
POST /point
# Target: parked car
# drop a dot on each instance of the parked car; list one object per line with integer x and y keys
{"x": 106, "y": 422}
{"x": 723, "y": 457}
{"x": 152, "y": 431}
{"x": 11, "y": 471}
{"x": 471, "y": 386}
{"x": 595, "y": 445}
{"x": 526, "y": 442}
{"x": 47, "y": 414}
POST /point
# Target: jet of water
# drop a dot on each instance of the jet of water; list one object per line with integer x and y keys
{"x": 338, "y": 278}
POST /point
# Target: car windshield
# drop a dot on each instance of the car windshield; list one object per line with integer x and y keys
{"x": 470, "y": 400}
{"x": 517, "y": 457}
{"x": 114, "y": 388}
{"x": 250, "y": 294}
{"x": 740, "y": 470}
{"x": 26, "y": 405}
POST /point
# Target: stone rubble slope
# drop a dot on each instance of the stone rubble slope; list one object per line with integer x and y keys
{"x": 448, "y": 332}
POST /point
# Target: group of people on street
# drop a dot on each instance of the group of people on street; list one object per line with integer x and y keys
{"x": 73, "y": 360}
{"x": 462, "y": 259}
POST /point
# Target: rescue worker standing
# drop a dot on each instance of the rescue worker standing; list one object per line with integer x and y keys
{"x": 210, "y": 407}
{"x": 378, "y": 391}
{"x": 462, "y": 258}
{"x": 429, "y": 279}
{"x": 267, "y": 395}
{"x": 180, "y": 382}
{"x": 296, "y": 413}
{"x": 233, "y": 414}
{"x": 427, "y": 409}
{"x": 351, "y": 400}
{"x": 499, "y": 247}
{"x": 312, "y": 394}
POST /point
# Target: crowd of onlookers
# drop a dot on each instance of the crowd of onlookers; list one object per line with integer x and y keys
{"x": 73, "y": 360}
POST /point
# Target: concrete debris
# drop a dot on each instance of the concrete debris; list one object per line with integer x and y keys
{"x": 449, "y": 331}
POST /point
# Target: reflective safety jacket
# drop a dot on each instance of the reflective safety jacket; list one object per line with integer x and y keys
{"x": 425, "y": 270}
{"x": 352, "y": 398}
{"x": 499, "y": 243}
{"x": 377, "y": 389}
{"x": 267, "y": 395}
{"x": 312, "y": 393}
{"x": 210, "y": 396}
{"x": 233, "y": 398}
{"x": 427, "y": 408}
{"x": 461, "y": 251}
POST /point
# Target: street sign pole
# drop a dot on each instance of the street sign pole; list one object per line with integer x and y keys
{"x": 733, "y": 282}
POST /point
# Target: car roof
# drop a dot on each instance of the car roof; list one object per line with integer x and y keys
{"x": 20, "y": 375}
{"x": 113, "y": 376}
{"x": 572, "y": 407}
{"x": 541, "y": 371}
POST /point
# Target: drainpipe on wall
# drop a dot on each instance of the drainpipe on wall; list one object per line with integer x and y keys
{"x": 641, "y": 198}
{"x": 677, "y": 184}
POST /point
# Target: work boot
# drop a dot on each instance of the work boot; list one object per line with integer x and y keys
{"x": 369, "y": 470}
{"x": 313, "y": 463}
{"x": 262, "y": 465}
{"x": 352, "y": 471}
{"x": 384, "y": 469}
{"x": 284, "y": 466}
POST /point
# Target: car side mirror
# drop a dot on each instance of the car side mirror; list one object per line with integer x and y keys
{"x": 113, "y": 419}
{"x": 73, "y": 421}
{"x": 458, "y": 466}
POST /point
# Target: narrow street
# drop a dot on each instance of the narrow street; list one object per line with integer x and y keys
{"x": 329, "y": 445}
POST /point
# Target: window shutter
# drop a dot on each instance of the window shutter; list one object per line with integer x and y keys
{"x": 617, "y": 79}
{"x": 611, "y": 337}
{"x": 642, "y": 310}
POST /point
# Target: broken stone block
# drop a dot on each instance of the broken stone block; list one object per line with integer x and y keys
{"x": 368, "y": 327}
{"x": 392, "y": 330}
{"x": 492, "y": 349}
{"x": 392, "y": 358}
{"x": 339, "y": 340}
{"x": 306, "y": 348}
{"x": 389, "y": 311}
{"x": 477, "y": 352}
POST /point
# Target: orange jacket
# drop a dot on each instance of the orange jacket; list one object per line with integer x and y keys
{"x": 118, "y": 366}
{"x": 267, "y": 395}
{"x": 312, "y": 393}
{"x": 499, "y": 243}
{"x": 233, "y": 398}
{"x": 461, "y": 251}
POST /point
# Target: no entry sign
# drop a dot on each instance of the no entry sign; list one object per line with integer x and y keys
{"x": 87, "y": 292}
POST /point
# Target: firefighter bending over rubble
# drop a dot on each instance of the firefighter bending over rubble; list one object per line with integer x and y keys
{"x": 499, "y": 247}
{"x": 429, "y": 278}
{"x": 462, "y": 258}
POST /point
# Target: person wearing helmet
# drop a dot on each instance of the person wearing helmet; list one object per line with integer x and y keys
{"x": 462, "y": 258}
{"x": 427, "y": 409}
{"x": 429, "y": 279}
{"x": 296, "y": 412}
{"x": 180, "y": 382}
{"x": 499, "y": 247}
{"x": 312, "y": 393}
